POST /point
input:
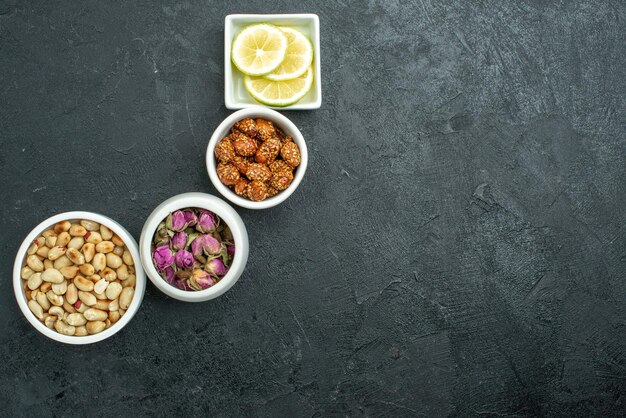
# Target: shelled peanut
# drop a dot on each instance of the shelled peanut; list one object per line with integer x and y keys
{"x": 79, "y": 278}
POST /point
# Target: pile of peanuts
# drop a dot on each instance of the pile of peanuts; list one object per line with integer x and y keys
{"x": 257, "y": 160}
{"x": 79, "y": 278}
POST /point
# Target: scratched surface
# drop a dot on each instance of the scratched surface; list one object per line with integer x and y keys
{"x": 457, "y": 247}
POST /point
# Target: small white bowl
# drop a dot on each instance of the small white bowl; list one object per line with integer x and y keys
{"x": 20, "y": 261}
{"x": 281, "y": 122}
{"x": 235, "y": 94}
{"x": 221, "y": 209}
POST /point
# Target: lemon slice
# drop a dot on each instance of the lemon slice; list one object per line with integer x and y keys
{"x": 279, "y": 93}
{"x": 259, "y": 49}
{"x": 297, "y": 59}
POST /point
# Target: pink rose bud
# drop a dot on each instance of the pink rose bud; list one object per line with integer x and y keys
{"x": 207, "y": 222}
{"x": 162, "y": 257}
{"x": 176, "y": 221}
{"x": 190, "y": 218}
{"x": 216, "y": 267}
{"x": 184, "y": 259}
{"x": 179, "y": 240}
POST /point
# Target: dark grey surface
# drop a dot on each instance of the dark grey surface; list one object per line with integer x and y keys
{"x": 457, "y": 247}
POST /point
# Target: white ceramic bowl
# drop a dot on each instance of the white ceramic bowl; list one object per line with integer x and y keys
{"x": 221, "y": 209}
{"x": 20, "y": 261}
{"x": 235, "y": 94}
{"x": 280, "y": 121}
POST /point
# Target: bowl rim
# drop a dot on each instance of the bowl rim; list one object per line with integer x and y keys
{"x": 286, "y": 125}
{"x": 220, "y": 208}
{"x": 230, "y": 100}
{"x": 131, "y": 244}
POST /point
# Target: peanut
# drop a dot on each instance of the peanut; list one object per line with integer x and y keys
{"x": 93, "y": 237}
{"x": 117, "y": 240}
{"x": 119, "y": 251}
{"x": 26, "y": 272}
{"x": 71, "y": 295}
{"x": 99, "y": 261}
{"x": 34, "y": 281}
{"x": 56, "y": 252}
{"x": 109, "y": 274}
{"x": 63, "y": 239}
{"x": 45, "y": 286}
{"x": 62, "y": 226}
{"x": 49, "y": 321}
{"x": 126, "y": 296}
{"x": 106, "y": 233}
{"x": 61, "y": 262}
{"x": 75, "y": 256}
{"x": 105, "y": 247}
{"x": 76, "y": 319}
{"x": 122, "y": 272}
{"x": 51, "y": 241}
{"x": 60, "y": 288}
{"x": 43, "y": 252}
{"x": 36, "y": 309}
{"x": 80, "y": 331}
{"x": 114, "y": 316}
{"x": 33, "y": 248}
{"x": 94, "y": 327}
{"x": 77, "y": 230}
{"x": 83, "y": 284}
{"x": 47, "y": 233}
{"x": 47, "y": 264}
{"x": 90, "y": 225}
{"x": 114, "y": 290}
{"x": 87, "y": 298}
{"x": 89, "y": 250}
{"x": 68, "y": 308}
{"x": 114, "y": 305}
{"x": 64, "y": 328}
{"x": 113, "y": 261}
{"x": 56, "y": 300}
{"x": 102, "y": 304}
{"x": 69, "y": 272}
{"x": 87, "y": 269}
{"x": 101, "y": 286}
{"x": 52, "y": 276}
{"x": 34, "y": 263}
{"x": 131, "y": 281}
{"x": 127, "y": 258}
{"x": 82, "y": 308}
{"x": 57, "y": 311}
{"x": 92, "y": 314}
{"x": 76, "y": 243}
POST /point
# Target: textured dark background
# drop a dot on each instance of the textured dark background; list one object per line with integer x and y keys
{"x": 457, "y": 247}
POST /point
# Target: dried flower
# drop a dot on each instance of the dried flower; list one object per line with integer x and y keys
{"x": 184, "y": 259}
{"x": 190, "y": 217}
{"x": 202, "y": 278}
{"x": 179, "y": 241}
{"x": 216, "y": 267}
{"x": 170, "y": 275}
{"x": 230, "y": 248}
{"x": 207, "y": 222}
{"x": 162, "y": 257}
{"x": 176, "y": 221}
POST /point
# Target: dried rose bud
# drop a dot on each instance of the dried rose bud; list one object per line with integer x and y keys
{"x": 257, "y": 191}
{"x": 291, "y": 154}
{"x": 258, "y": 172}
{"x": 247, "y": 126}
{"x": 162, "y": 236}
{"x": 216, "y": 267}
{"x": 176, "y": 221}
{"x": 241, "y": 186}
{"x": 241, "y": 163}
{"x": 202, "y": 278}
{"x": 227, "y": 173}
{"x": 162, "y": 257}
{"x": 230, "y": 248}
{"x": 244, "y": 145}
{"x": 179, "y": 240}
{"x": 268, "y": 151}
{"x": 207, "y": 221}
{"x": 224, "y": 150}
{"x": 265, "y": 129}
{"x": 190, "y": 218}
{"x": 205, "y": 244}
{"x": 227, "y": 234}
{"x": 170, "y": 275}
{"x": 184, "y": 259}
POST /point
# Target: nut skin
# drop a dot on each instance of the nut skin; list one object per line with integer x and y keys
{"x": 247, "y": 126}
{"x": 241, "y": 187}
{"x": 258, "y": 172}
{"x": 291, "y": 154}
{"x": 227, "y": 173}
{"x": 268, "y": 151}
{"x": 265, "y": 129}
{"x": 243, "y": 144}
{"x": 241, "y": 163}
{"x": 224, "y": 150}
{"x": 257, "y": 191}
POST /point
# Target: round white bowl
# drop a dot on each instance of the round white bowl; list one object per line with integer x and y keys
{"x": 280, "y": 121}
{"x": 20, "y": 261}
{"x": 221, "y": 209}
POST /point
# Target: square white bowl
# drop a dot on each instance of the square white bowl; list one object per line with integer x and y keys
{"x": 235, "y": 94}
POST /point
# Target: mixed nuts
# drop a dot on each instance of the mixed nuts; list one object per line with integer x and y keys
{"x": 257, "y": 160}
{"x": 192, "y": 249}
{"x": 79, "y": 278}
